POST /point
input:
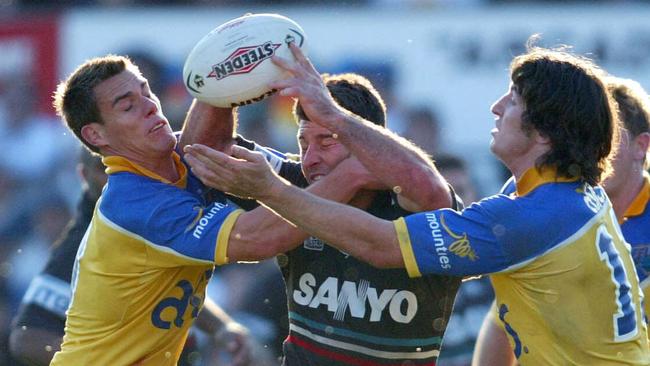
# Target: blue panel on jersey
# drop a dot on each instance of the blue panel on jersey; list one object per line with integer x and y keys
{"x": 636, "y": 231}
{"x": 499, "y": 231}
{"x": 164, "y": 215}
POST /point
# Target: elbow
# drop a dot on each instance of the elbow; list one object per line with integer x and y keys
{"x": 432, "y": 191}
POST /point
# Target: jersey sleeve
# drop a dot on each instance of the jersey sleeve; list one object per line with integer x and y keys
{"x": 168, "y": 219}
{"x": 485, "y": 238}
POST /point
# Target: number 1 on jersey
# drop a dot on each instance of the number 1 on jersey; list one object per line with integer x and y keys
{"x": 625, "y": 322}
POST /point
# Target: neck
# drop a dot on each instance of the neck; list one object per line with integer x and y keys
{"x": 165, "y": 168}
{"x": 623, "y": 195}
{"x": 162, "y": 165}
{"x": 520, "y": 164}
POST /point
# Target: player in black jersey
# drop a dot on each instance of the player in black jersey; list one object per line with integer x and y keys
{"x": 343, "y": 311}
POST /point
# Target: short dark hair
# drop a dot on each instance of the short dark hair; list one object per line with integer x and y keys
{"x": 633, "y": 104}
{"x": 74, "y": 99}
{"x": 567, "y": 101}
{"x": 354, "y": 93}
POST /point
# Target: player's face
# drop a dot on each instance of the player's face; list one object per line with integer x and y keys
{"x": 320, "y": 152}
{"x": 134, "y": 126}
{"x": 509, "y": 140}
{"x": 623, "y": 164}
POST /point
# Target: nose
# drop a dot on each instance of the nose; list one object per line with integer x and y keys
{"x": 311, "y": 156}
{"x": 151, "y": 106}
{"x": 497, "y": 107}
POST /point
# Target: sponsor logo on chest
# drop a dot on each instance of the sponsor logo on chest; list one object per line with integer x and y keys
{"x": 359, "y": 300}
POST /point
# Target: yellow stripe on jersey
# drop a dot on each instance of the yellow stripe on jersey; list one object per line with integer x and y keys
{"x": 221, "y": 249}
{"x": 406, "y": 248}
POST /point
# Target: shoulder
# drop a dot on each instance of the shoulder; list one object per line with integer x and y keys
{"x": 132, "y": 201}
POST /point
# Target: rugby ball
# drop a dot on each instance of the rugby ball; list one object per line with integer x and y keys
{"x": 231, "y": 66}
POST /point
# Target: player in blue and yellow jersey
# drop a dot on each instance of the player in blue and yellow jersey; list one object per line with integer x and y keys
{"x": 629, "y": 186}
{"x": 553, "y": 249}
{"x": 628, "y": 189}
{"x": 140, "y": 273}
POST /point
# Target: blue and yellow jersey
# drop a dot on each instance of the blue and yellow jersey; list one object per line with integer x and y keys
{"x": 563, "y": 276}
{"x": 636, "y": 230}
{"x": 142, "y": 267}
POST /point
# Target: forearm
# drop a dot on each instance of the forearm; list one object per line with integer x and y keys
{"x": 393, "y": 160}
{"x": 212, "y": 318}
{"x": 261, "y": 233}
{"x": 208, "y": 125}
{"x": 347, "y": 228}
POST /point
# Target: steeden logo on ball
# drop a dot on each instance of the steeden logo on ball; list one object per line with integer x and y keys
{"x": 243, "y": 60}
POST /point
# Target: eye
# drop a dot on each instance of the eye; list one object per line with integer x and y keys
{"x": 329, "y": 141}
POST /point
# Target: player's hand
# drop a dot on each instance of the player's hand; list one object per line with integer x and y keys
{"x": 235, "y": 339}
{"x": 307, "y": 85}
{"x": 245, "y": 174}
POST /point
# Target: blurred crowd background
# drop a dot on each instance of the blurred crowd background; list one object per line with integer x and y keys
{"x": 439, "y": 64}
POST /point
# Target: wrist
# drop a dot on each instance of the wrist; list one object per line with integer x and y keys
{"x": 275, "y": 190}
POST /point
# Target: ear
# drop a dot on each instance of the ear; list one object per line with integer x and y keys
{"x": 641, "y": 144}
{"x": 93, "y": 133}
{"x": 540, "y": 138}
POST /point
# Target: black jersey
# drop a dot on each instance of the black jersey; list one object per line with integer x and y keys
{"x": 47, "y": 298}
{"x": 346, "y": 312}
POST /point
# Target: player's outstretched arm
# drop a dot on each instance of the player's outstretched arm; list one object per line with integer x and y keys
{"x": 247, "y": 174}
{"x": 260, "y": 233}
{"x": 208, "y": 125}
{"x": 225, "y": 332}
{"x": 393, "y": 160}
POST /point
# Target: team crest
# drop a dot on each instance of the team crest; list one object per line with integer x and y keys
{"x": 313, "y": 243}
{"x": 243, "y": 60}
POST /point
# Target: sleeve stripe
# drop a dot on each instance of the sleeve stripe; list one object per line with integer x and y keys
{"x": 221, "y": 249}
{"x": 406, "y": 248}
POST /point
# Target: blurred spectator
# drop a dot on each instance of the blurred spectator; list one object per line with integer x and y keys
{"x": 475, "y": 296}
{"x": 422, "y": 127}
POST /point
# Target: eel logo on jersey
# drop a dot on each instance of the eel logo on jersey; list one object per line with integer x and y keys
{"x": 594, "y": 199}
{"x": 461, "y": 246}
{"x": 189, "y": 297}
{"x": 243, "y": 60}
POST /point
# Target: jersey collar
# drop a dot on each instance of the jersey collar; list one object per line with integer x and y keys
{"x": 534, "y": 178}
{"x": 641, "y": 201}
{"x": 115, "y": 164}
